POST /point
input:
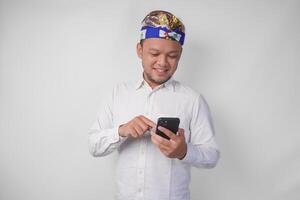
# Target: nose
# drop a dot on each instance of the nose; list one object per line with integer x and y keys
{"x": 162, "y": 60}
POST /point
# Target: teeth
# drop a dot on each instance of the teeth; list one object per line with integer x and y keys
{"x": 161, "y": 70}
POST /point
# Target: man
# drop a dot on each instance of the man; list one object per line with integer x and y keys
{"x": 150, "y": 166}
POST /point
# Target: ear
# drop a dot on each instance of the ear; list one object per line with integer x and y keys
{"x": 139, "y": 50}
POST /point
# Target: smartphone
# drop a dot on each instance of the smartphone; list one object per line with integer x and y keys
{"x": 171, "y": 123}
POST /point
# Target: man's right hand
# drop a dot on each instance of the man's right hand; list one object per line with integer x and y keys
{"x": 136, "y": 127}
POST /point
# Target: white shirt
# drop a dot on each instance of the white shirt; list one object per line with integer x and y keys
{"x": 142, "y": 171}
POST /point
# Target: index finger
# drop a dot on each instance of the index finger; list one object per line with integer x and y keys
{"x": 148, "y": 121}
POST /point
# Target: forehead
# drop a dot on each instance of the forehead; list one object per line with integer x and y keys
{"x": 161, "y": 45}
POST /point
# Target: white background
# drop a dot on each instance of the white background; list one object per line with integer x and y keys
{"x": 58, "y": 59}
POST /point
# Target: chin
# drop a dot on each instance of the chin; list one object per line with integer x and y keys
{"x": 158, "y": 79}
{"x": 161, "y": 80}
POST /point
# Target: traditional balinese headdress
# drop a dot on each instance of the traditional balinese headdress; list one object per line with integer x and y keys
{"x": 162, "y": 24}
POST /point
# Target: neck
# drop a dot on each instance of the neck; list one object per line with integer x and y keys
{"x": 150, "y": 83}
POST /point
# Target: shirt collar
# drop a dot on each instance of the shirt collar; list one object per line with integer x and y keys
{"x": 169, "y": 84}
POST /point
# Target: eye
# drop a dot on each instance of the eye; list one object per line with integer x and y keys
{"x": 154, "y": 54}
{"x": 173, "y": 56}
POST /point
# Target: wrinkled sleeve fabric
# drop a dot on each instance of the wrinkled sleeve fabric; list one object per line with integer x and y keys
{"x": 202, "y": 150}
{"x": 103, "y": 137}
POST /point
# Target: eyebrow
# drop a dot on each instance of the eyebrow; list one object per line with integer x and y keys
{"x": 156, "y": 50}
{"x": 152, "y": 49}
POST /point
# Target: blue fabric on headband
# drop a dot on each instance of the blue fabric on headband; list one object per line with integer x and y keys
{"x": 162, "y": 32}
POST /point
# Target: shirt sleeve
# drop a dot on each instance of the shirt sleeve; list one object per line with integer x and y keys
{"x": 103, "y": 137}
{"x": 202, "y": 150}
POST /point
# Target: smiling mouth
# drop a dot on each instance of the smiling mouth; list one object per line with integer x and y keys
{"x": 161, "y": 70}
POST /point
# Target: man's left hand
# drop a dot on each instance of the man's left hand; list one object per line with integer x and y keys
{"x": 176, "y": 147}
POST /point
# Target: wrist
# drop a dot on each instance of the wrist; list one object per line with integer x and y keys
{"x": 184, "y": 152}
